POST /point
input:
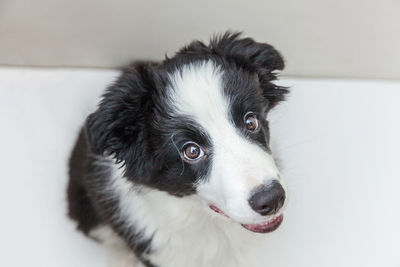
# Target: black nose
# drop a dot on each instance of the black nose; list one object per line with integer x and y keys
{"x": 267, "y": 199}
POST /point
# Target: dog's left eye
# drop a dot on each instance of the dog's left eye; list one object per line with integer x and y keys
{"x": 192, "y": 152}
{"x": 251, "y": 122}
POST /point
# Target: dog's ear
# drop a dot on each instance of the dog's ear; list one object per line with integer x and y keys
{"x": 118, "y": 127}
{"x": 261, "y": 58}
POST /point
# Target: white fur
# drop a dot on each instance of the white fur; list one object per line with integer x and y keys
{"x": 119, "y": 255}
{"x": 185, "y": 231}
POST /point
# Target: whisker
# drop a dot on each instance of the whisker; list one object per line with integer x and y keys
{"x": 177, "y": 149}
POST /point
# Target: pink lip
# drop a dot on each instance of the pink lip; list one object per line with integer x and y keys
{"x": 265, "y": 227}
{"x": 217, "y": 210}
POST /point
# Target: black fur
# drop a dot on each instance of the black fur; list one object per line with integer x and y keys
{"x": 135, "y": 126}
{"x": 90, "y": 203}
{"x": 80, "y": 205}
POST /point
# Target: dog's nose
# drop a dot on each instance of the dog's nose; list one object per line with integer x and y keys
{"x": 267, "y": 199}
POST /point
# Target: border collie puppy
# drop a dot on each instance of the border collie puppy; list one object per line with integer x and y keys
{"x": 174, "y": 168}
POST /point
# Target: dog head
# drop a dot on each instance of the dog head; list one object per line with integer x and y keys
{"x": 196, "y": 123}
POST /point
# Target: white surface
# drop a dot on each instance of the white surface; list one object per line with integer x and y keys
{"x": 340, "y": 38}
{"x": 338, "y": 141}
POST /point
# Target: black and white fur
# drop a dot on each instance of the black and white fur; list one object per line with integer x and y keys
{"x": 130, "y": 185}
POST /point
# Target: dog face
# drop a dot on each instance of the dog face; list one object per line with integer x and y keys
{"x": 196, "y": 124}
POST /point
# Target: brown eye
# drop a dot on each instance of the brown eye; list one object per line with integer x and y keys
{"x": 192, "y": 152}
{"x": 251, "y": 122}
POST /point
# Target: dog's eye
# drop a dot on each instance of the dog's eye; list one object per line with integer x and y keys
{"x": 192, "y": 152}
{"x": 251, "y": 122}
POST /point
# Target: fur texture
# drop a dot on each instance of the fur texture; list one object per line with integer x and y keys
{"x": 133, "y": 185}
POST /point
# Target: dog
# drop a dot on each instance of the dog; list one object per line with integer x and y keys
{"x": 174, "y": 168}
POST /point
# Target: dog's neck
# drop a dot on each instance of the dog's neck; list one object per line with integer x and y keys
{"x": 171, "y": 223}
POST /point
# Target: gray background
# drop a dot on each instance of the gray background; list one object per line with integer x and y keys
{"x": 356, "y": 38}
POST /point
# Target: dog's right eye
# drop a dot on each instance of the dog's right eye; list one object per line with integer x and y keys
{"x": 192, "y": 152}
{"x": 251, "y": 122}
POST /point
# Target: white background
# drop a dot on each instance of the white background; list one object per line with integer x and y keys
{"x": 338, "y": 141}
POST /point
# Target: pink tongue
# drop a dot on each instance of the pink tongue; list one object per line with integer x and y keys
{"x": 258, "y": 228}
{"x": 266, "y": 227}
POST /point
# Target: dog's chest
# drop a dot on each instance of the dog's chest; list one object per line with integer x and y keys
{"x": 203, "y": 244}
{"x": 184, "y": 233}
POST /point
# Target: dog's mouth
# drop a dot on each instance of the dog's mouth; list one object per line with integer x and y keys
{"x": 265, "y": 227}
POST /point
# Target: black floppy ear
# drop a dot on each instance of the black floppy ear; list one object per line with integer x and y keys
{"x": 261, "y": 58}
{"x": 118, "y": 127}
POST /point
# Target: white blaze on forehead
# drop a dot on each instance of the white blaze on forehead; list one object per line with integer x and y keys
{"x": 197, "y": 92}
